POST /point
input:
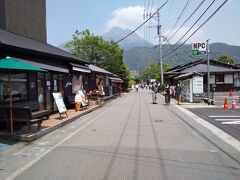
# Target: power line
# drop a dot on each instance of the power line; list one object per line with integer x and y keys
{"x": 142, "y": 23}
{"x": 199, "y": 27}
{"x": 194, "y": 23}
{"x": 179, "y": 17}
{"x": 186, "y": 20}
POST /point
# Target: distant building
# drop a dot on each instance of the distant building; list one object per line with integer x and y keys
{"x": 24, "y": 17}
{"x": 224, "y": 76}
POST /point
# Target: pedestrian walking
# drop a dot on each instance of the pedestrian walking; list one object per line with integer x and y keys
{"x": 167, "y": 94}
{"x": 154, "y": 93}
{"x": 136, "y": 87}
{"x": 178, "y": 92}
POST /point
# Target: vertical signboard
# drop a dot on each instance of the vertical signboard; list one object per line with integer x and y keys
{"x": 198, "y": 86}
{"x": 59, "y": 102}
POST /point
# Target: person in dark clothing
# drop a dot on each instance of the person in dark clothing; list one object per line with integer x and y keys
{"x": 154, "y": 93}
{"x": 178, "y": 92}
{"x": 167, "y": 94}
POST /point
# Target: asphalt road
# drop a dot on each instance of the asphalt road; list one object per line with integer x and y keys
{"x": 131, "y": 138}
{"x": 227, "y": 120}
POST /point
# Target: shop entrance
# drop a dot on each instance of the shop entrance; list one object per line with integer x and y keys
{"x": 49, "y": 92}
{"x": 41, "y": 90}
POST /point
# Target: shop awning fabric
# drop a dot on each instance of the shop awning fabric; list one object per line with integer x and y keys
{"x": 116, "y": 79}
{"x": 10, "y": 64}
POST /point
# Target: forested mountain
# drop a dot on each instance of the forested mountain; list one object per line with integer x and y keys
{"x": 138, "y": 52}
{"x": 139, "y": 57}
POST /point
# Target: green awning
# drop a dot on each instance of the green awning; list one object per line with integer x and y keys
{"x": 13, "y": 64}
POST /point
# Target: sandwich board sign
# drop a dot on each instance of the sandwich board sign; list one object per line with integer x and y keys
{"x": 60, "y": 104}
{"x": 199, "y": 48}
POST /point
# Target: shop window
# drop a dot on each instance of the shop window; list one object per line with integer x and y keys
{"x": 100, "y": 81}
{"x": 219, "y": 78}
{"x": 228, "y": 79}
{"x": 19, "y": 87}
{"x": 77, "y": 83}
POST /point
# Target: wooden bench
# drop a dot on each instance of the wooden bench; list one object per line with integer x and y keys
{"x": 24, "y": 114}
{"x": 34, "y": 108}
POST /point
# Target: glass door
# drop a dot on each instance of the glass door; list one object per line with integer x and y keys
{"x": 55, "y": 89}
{"x": 49, "y": 91}
{"x": 41, "y": 90}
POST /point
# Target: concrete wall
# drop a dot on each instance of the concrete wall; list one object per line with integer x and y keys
{"x": 26, "y": 17}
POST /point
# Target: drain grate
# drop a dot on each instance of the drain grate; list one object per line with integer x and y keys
{"x": 157, "y": 121}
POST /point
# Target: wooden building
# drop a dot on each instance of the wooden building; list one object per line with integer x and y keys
{"x": 62, "y": 68}
{"x": 224, "y": 76}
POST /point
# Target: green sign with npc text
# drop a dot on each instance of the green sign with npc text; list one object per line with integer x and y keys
{"x": 196, "y": 52}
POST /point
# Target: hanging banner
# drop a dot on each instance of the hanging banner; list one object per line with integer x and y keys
{"x": 59, "y": 102}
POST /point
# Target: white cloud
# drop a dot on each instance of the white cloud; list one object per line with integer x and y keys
{"x": 199, "y": 36}
{"x": 126, "y": 18}
{"x": 131, "y": 17}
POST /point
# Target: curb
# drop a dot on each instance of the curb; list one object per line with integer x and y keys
{"x": 48, "y": 130}
{"x": 33, "y": 137}
{"x": 51, "y": 129}
{"x": 224, "y": 136}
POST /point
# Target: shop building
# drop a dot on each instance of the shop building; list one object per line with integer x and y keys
{"x": 223, "y": 77}
{"x": 25, "y": 17}
{"x": 35, "y": 86}
{"x": 66, "y": 73}
{"x": 103, "y": 79}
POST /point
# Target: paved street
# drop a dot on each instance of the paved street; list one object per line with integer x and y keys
{"x": 129, "y": 138}
{"x": 227, "y": 120}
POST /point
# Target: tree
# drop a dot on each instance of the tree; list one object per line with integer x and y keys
{"x": 105, "y": 54}
{"x": 226, "y": 59}
{"x": 152, "y": 71}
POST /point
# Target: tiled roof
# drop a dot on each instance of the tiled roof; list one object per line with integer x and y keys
{"x": 21, "y": 42}
{"x": 202, "y": 68}
{"x": 98, "y": 69}
{"x": 187, "y": 75}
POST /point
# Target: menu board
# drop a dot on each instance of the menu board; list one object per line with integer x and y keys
{"x": 59, "y": 102}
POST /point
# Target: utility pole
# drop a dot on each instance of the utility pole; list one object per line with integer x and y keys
{"x": 160, "y": 47}
{"x": 208, "y": 74}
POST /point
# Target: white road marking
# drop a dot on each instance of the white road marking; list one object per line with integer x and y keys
{"x": 223, "y": 116}
{"x": 227, "y": 119}
{"x": 232, "y": 122}
{"x": 215, "y": 130}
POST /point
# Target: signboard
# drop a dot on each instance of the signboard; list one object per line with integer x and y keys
{"x": 198, "y": 86}
{"x": 199, "y": 48}
{"x": 152, "y": 80}
{"x": 59, "y": 102}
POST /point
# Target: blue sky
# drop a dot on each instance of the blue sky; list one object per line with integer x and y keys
{"x": 65, "y": 17}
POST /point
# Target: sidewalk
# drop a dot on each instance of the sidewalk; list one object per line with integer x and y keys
{"x": 218, "y": 102}
{"x": 48, "y": 126}
{"x": 54, "y": 122}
